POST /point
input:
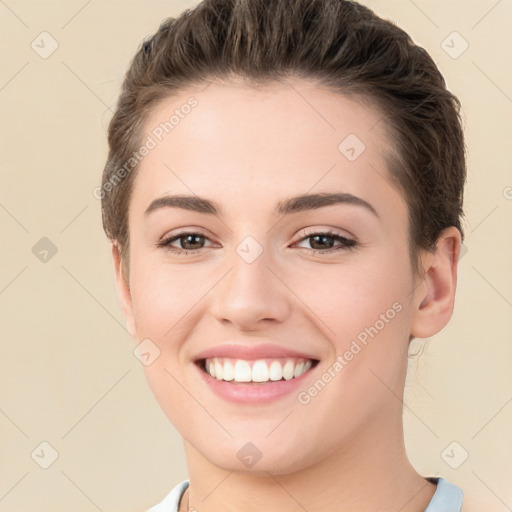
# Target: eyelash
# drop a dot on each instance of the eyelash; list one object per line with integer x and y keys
{"x": 345, "y": 243}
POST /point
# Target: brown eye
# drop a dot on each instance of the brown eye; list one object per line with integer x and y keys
{"x": 321, "y": 242}
{"x": 191, "y": 242}
{"x": 187, "y": 242}
{"x": 326, "y": 242}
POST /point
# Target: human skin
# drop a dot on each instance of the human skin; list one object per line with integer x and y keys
{"x": 247, "y": 149}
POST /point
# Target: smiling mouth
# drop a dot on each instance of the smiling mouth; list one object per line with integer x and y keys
{"x": 258, "y": 371}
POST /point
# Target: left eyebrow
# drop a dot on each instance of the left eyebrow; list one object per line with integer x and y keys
{"x": 312, "y": 201}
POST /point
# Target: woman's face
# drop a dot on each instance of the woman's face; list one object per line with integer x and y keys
{"x": 264, "y": 282}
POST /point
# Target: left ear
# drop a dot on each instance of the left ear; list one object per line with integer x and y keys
{"x": 434, "y": 297}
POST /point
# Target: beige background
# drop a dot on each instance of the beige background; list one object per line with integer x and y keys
{"x": 68, "y": 376}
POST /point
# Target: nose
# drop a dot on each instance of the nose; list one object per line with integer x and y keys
{"x": 250, "y": 295}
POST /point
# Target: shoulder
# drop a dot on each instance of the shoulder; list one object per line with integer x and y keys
{"x": 171, "y": 502}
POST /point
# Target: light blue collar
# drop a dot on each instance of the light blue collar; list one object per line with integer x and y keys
{"x": 447, "y": 498}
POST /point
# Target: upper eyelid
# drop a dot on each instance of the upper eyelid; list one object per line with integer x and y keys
{"x": 190, "y": 231}
{"x": 303, "y": 233}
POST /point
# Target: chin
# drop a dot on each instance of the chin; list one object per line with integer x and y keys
{"x": 257, "y": 458}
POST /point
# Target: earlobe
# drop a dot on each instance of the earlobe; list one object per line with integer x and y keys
{"x": 123, "y": 289}
{"x": 434, "y": 297}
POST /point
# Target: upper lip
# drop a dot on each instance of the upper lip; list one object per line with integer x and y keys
{"x": 262, "y": 351}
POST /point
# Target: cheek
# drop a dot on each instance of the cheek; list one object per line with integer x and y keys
{"x": 164, "y": 300}
{"x": 344, "y": 299}
{"x": 367, "y": 314}
{"x": 163, "y": 295}
{"x": 363, "y": 312}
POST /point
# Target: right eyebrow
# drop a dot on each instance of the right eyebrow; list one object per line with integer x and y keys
{"x": 193, "y": 203}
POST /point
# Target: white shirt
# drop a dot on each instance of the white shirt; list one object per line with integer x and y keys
{"x": 447, "y": 498}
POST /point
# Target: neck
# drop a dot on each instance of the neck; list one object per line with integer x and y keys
{"x": 372, "y": 473}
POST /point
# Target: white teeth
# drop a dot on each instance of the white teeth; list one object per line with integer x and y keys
{"x": 229, "y": 371}
{"x": 288, "y": 370}
{"x": 262, "y": 370}
{"x": 219, "y": 370}
{"x": 276, "y": 370}
{"x": 210, "y": 368}
{"x": 242, "y": 371}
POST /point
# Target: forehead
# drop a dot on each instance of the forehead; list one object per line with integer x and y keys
{"x": 238, "y": 140}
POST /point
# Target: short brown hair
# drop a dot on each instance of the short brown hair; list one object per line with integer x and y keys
{"x": 340, "y": 44}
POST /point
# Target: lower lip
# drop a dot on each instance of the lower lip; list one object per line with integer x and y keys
{"x": 253, "y": 393}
